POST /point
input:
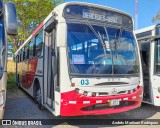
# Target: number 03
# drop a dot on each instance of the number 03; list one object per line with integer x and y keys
{"x": 84, "y": 82}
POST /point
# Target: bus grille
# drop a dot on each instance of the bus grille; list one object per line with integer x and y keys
{"x": 106, "y": 106}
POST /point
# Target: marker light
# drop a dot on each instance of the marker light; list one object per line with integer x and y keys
{"x": 85, "y": 93}
{"x": 129, "y": 91}
{"x": 94, "y": 94}
{"x": 73, "y": 84}
{"x": 134, "y": 90}
{"x": 77, "y": 90}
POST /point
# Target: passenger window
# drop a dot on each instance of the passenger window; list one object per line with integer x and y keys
{"x": 145, "y": 52}
{"x": 39, "y": 44}
{"x": 31, "y": 47}
{"x": 26, "y": 52}
{"x": 20, "y": 56}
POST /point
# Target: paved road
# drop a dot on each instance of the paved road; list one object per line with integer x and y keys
{"x": 21, "y": 106}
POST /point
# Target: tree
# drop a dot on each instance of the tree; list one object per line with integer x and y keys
{"x": 30, "y": 14}
{"x": 157, "y": 17}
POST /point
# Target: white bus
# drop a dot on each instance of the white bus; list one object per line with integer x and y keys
{"x": 8, "y": 25}
{"x": 149, "y": 42}
{"x": 83, "y": 59}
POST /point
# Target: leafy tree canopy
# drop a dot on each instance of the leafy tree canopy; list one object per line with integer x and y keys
{"x": 157, "y": 17}
{"x": 30, "y": 14}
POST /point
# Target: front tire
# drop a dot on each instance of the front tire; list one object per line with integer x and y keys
{"x": 38, "y": 98}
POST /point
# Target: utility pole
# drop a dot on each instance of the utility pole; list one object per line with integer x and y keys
{"x": 136, "y": 14}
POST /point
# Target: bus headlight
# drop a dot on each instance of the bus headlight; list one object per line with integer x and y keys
{"x": 2, "y": 97}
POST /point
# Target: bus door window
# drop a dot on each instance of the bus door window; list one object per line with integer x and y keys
{"x": 157, "y": 60}
{"x": 31, "y": 45}
{"x": 39, "y": 44}
{"x": 145, "y": 53}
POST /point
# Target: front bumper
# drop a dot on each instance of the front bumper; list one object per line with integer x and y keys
{"x": 74, "y": 104}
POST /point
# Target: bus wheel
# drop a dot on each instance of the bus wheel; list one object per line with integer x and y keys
{"x": 38, "y": 98}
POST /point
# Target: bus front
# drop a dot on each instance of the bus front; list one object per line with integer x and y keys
{"x": 103, "y": 62}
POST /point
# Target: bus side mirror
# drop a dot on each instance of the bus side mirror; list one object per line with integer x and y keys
{"x": 11, "y": 18}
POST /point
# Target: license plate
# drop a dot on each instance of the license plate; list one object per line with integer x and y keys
{"x": 114, "y": 102}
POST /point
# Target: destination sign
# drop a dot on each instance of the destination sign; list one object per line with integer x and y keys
{"x": 96, "y": 14}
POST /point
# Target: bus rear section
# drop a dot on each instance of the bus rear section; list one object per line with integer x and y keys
{"x": 88, "y": 62}
{"x": 148, "y": 39}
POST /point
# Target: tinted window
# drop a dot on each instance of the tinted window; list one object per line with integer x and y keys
{"x": 20, "y": 56}
{"x": 157, "y": 63}
{"x": 145, "y": 52}
{"x": 39, "y": 44}
{"x": 31, "y": 47}
{"x": 26, "y": 51}
{"x": 116, "y": 53}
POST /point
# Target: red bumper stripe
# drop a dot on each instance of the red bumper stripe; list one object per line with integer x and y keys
{"x": 73, "y": 103}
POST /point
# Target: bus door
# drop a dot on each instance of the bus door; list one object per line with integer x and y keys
{"x": 50, "y": 71}
{"x": 145, "y": 56}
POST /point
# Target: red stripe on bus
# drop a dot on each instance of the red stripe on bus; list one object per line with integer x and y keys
{"x": 73, "y": 103}
{"x": 37, "y": 29}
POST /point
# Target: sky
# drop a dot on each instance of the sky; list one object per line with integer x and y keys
{"x": 147, "y": 9}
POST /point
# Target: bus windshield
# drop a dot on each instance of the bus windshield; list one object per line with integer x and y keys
{"x": 114, "y": 51}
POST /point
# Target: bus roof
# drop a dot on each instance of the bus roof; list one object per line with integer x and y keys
{"x": 145, "y": 29}
{"x": 59, "y": 11}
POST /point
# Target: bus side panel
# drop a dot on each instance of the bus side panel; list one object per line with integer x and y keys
{"x": 155, "y": 90}
{"x": 24, "y": 69}
{"x": 30, "y": 73}
{"x": 32, "y": 69}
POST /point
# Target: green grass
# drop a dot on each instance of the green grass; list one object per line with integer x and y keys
{"x": 11, "y": 81}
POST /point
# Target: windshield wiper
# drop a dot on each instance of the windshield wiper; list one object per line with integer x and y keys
{"x": 116, "y": 47}
{"x": 106, "y": 31}
{"x": 117, "y": 40}
{"x": 97, "y": 35}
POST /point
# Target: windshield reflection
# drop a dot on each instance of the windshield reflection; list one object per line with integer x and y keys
{"x": 115, "y": 54}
